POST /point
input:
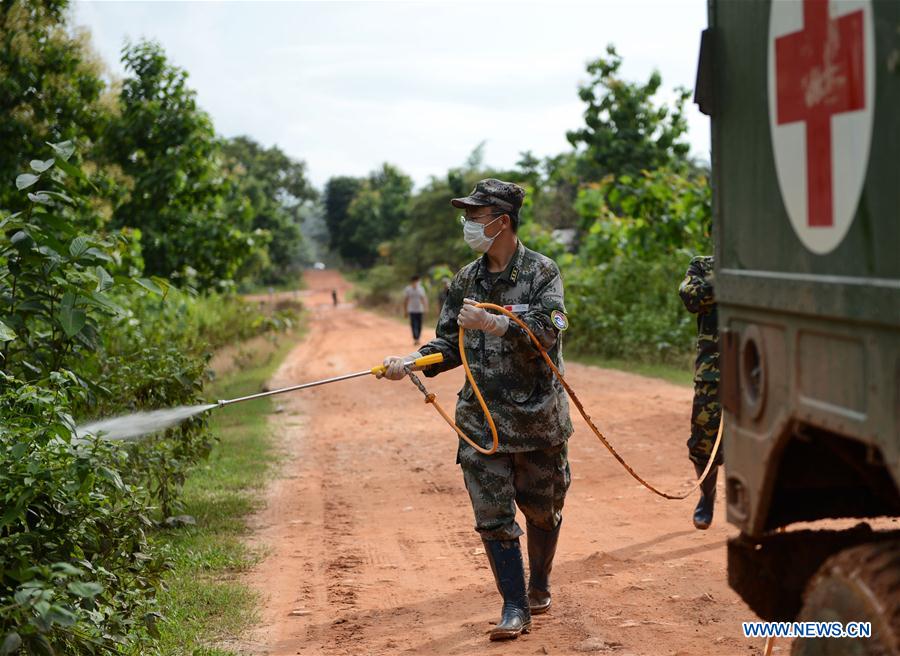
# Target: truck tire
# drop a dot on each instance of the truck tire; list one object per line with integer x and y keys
{"x": 860, "y": 584}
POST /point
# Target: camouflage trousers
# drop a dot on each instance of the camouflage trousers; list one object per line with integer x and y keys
{"x": 705, "y": 417}
{"x": 536, "y": 481}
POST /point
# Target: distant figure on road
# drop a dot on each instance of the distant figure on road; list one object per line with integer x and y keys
{"x": 415, "y": 303}
{"x": 699, "y": 298}
{"x": 334, "y": 297}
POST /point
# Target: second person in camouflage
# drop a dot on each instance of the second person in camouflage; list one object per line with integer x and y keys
{"x": 698, "y": 295}
{"x": 528, "y": 404}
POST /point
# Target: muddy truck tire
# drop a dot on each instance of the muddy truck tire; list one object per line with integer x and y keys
{"x": 861, "y": 584}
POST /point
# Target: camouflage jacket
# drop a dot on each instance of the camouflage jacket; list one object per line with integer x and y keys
{"x": 697, "y": 293}
{"x": 528, "y": 404}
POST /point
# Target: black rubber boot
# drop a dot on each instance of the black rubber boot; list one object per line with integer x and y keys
{"x": 505, "y": 557}
{"x": 541, "y": 549}
{"x": 703, "y": 513}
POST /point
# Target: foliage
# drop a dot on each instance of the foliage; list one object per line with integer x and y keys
{"x": 364, "y": 214}
{"x": 380, "y": 286}
{"x": 622, "y": 290}
{"x": 339, "y": 194}
{"x": 152, "y": 156}
{"x": 54, "y": 282}
{"x": 275, "y": 188}
{"x": 651, "y": 215}
{"x": 624, "y": 131}
{"x": 76, "y": 572}
{"x": 431, "y": 235}
{"x": 194, "y": 225}
{"x": 81, "y": 332}
{"x": 555, "y": 191}
{"x": 629, "y": 308}
{"x": 50, "y": 85}
{"x": 154, "y": 355}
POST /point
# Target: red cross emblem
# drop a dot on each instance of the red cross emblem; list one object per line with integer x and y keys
{"x": 821, "y": 96}
{"x": 820, "y": 72}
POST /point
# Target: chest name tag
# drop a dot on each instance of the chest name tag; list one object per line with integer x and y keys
{"x": 521, "y": 307}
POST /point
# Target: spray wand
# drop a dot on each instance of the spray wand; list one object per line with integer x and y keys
{"x": 141, "y": 423}
{"x": 422, "y": 362}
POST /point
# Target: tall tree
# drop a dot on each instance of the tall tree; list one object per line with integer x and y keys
{"x": 50, "y": 87}
{"x": 276, "y": 187}
{"x": 362, "y": 214}
{"x": 378, "y": 210}
{"x": 625, "y": 130}
{"x": 194, "y": 226}
{"x": 339, "y": 194}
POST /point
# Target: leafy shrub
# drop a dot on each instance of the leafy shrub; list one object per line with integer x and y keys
{"x": 81, "y": 333}
{"x": 622, "y": 288}
{"x": 76, "y": 572}
{"x": 629, "y": 309}
{"x": 381, "y": 285}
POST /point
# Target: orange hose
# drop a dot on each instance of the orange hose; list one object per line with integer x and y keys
{"x": 495, "y": 440}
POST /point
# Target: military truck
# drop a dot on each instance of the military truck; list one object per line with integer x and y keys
{"x": 804, "y": 100}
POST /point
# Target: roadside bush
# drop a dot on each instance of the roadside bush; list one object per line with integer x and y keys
{"x": 629, "y": 309}
{"x": 77, "y": 575}
{"x": 638, "y": 235}
{"x": 83, "y": 335}
{"x": 382, "y": 285}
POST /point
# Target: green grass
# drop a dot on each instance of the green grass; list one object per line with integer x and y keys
{"x": 204, "y": 602}
{"x": 678, "y": 375}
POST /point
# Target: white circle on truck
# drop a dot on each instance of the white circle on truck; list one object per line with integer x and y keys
{"x": 821, "y": 79}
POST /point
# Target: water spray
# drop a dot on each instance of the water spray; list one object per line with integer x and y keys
{"x": 129, "y": 427}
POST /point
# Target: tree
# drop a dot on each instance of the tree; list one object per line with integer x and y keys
{"x": 377, "y": 212}
{"x": 339, "y": 194}
{"x": 194, "y": 225}
{"x": 362, "y": 214}
{"x": 276, "y": 187}
{"x": 625, "y": 132}
{"x": 431, "y": 234}
{"x": 50, "y": 86}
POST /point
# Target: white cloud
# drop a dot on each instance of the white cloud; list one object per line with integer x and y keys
{"x": 346, "y": 86}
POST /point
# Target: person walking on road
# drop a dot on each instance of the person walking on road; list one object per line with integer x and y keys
{"x": 415, "y": 304}
{"x": 530, "y": 468}
{"x": 698, "y": 296}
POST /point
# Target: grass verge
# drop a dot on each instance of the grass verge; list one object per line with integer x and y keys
{"x": 670, "y": 373}
{"x": 204, "y": 602}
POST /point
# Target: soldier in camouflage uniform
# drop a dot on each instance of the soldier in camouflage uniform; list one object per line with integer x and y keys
{"x": 697, "y": 293}
{"x": 528, "y": 404}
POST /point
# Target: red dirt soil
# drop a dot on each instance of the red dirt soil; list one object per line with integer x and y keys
{"x": 368, "y": 530}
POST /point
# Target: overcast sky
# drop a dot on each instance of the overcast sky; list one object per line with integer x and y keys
{"x": 346, "y": 85}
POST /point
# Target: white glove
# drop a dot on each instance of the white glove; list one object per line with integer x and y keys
{"x": 395, "y": 364}
{"x": 480, "y": 319}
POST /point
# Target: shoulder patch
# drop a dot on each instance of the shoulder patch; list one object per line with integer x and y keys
{"x": 560, "y": 320}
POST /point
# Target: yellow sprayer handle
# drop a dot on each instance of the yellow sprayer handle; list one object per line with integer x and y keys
{"x": 424, "y": 361}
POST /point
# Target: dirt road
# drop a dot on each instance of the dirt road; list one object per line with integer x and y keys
{"x": 369, "y": 530}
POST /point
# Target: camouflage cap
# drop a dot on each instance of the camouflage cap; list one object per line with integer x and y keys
{"x": 505, "y": 195}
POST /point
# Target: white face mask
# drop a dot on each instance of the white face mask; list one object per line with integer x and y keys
{"x": 474, "y": 235}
